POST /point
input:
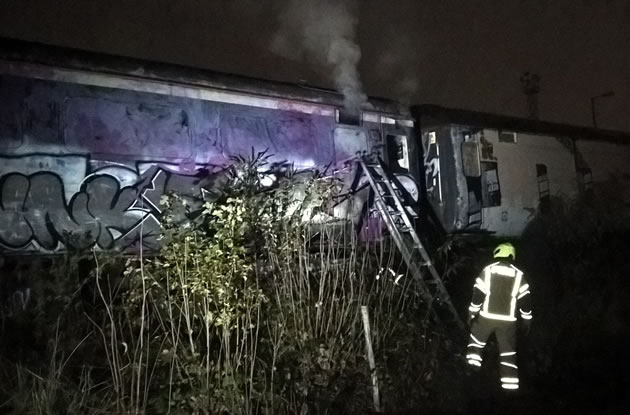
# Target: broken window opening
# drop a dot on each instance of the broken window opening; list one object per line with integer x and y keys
{"x": 490, "y": 189}
{"x": 585, "y": 179}
{"x": 348, "y": 117}
{"x": 471, "y": 164}
{"x": 543, "y": 186}
{"x": 475, "y": 203}
{"x": 487, "y": 150}
{"x": 398, "y": 153}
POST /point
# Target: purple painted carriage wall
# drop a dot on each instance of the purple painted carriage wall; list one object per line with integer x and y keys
{"x": 84, "y": 166}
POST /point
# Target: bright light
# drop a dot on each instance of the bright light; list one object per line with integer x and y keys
{"x": 267, "y": 180}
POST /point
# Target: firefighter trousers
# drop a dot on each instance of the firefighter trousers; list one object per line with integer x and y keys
{"x": 505, "y": 332}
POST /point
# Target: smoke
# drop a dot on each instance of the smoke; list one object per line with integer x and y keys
{"x": 324, "y": 32}
{"x": 399, "y": 64}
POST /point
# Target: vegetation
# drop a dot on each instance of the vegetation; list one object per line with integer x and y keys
{"x": 252, "y": 306}
{"x": 577, "y": 252}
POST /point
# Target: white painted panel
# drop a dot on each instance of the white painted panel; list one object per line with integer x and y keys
{"x": 518, "y": 179}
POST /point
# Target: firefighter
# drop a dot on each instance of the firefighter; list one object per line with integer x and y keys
{"x": 500, "y": 291}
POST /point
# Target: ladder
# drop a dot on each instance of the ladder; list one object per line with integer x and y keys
{"x": 397, "y": 218}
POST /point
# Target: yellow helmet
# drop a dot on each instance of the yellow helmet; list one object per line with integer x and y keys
{"x": 505, "y": 250}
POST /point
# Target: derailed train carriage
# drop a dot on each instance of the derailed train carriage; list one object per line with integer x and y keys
{"x": 90, "y": 143}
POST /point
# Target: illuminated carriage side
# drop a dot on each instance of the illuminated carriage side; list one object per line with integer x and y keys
{"x": 90, "y": 143}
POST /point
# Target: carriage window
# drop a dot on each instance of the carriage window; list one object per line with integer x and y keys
{"x": 487, "y": 150}
{"x": 543, "y": 185}
{"x": 348, "y": 117}
{"x": 507, "y": 137}
{"x": 543, "y": 181}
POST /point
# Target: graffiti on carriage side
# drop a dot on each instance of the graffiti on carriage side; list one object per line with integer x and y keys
{"x": 45, "y": 206}
{"x": 51, "y": 203}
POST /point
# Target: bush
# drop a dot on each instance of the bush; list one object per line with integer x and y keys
{"x": 251, "y": 306}
{"x": 576, "y": 254}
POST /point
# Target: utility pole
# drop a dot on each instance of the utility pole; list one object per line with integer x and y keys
{"x": 593, "y": 113}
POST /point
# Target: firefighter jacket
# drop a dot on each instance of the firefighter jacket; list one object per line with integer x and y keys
{"x": 500, "y": 290}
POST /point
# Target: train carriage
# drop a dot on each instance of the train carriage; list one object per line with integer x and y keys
{"x": 89, "y": 143}
{"x": 491, "y": 173}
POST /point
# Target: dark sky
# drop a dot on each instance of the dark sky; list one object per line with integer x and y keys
{"x": 466, "y": 54}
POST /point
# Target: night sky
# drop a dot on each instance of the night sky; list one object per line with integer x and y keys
{"x": 464, "y": 54}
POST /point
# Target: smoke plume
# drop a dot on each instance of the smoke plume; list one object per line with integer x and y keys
{"x": 324, "y": 32}
{"x": 397, "y": 67}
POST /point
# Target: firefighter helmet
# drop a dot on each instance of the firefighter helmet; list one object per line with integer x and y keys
{"x": 505, "y": 250}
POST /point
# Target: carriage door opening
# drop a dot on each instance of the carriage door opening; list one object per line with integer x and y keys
{"x": 490, "y": 188}
{"x": 481, "y": 170}
{"x": 398, "y": 153}
{"x": 491, "y": 191}
{"x": 472, "y": 172}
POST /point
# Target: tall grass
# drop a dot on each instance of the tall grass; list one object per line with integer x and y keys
{"x": 251, "y": 306}
{"x": 47, "y": 390}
